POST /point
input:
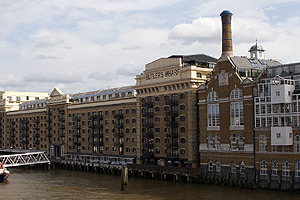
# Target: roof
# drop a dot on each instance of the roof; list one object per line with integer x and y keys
{"x": 251, "y": 63}
{"x": 196, "y": 57}
{"x": 256, "y": 47}
{"x": 101, "y": 92}
{"x": 226, "y": 12}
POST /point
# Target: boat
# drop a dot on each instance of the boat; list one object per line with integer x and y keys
{"x": 4, "y": 173}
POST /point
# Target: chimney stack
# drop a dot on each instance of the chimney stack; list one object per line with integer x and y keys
{"x": 226, "y": 33}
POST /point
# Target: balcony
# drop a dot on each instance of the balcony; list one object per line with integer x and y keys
{"x": 36, "y": 142}
{"x": 76, "y": 134}
{"x": 36, "y": 128}
{"x": 148, "y": 154}
{"x": 148, "y": 114}
{"x": 62, "y": 126}
{"x": 172, "y": 124}
{"x": 12, "y": 141}
{"x": 174, "y": 113}
{"x": 61, "y": 112}
{"x": 24, "y": 121}
{"x": 12, "y": 123}
{"x": 49, "y": 134}
{"x": 76, "y": 118}
{"x": 12, "y": 128}
{"x": 118, "y": 125}
{"x": 61, "y": 135}
{"x": 48, "y": 120}
{"x": 36, "y": 135}
{"x": 23, "y": 128}
{"x": 24, "y": 141}
{"x": 77, "y": 143}
{"x": 119, "y": 116}
{"x": 174, "y": 102}
{"x": 36, "y": 121}
{"x": 76, "y": 126}
{"x": 12, "y": 135}
{"x": 24, "y": 135}
{"x": 149, "y": 146}
{"x": 62, "y": 119}
{"x": 93, "y": 117}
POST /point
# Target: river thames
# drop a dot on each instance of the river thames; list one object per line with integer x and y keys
{"x": 64, "y": 184}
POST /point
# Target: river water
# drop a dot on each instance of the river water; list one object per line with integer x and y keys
{"x": 64, "y": 184}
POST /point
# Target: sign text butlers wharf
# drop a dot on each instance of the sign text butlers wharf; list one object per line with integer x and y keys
{"x": 167, "y": 73}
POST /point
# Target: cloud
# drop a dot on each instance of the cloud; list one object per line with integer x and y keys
{"x": 43, "y": 57}
{"x": 129, "y": 70}
{"x": 102, "y": 76}
{"x": 10, "y": 80}
{"x": 202, "y": 30}
{"x": 58, "y": 77}
{"x": 49, "y": 42}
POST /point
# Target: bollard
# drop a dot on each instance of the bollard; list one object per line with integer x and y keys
{"x": 124, "y": 178}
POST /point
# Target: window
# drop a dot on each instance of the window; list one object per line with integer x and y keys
{"x": 236, "y": 113}
{"x": 210, "y": 141}
{"x": 297, "y": 143}
{"x": 297, "y": 169}
{"x": 262, "y": 143}
{"x": 241, "y": 142}
{"x": 210, "y": 166}
{"x": 182, "y": 107}
{"x": 157, "y": 109}
{"x": 199, "y": 75}
{"x": 286, "y": 168}
{"x": 263, "y": 169}
{"x": 233, "y": 169}
{"x": 182, "y": 129}
{"x": 236, "y": 94}
{"x": 218, "y": 167}
{"x": 242, "y": 169}
{"x": 233, "y": 142}
{"x": 274, "y": 168}
{"x": 182, "y": 118}
{"x": 212, "y": 96}
{"x": 182, "y": 140}
{"x": 182, "y": 96}
{"x": 213, "y": 115}
{"x": 217, "y": 141}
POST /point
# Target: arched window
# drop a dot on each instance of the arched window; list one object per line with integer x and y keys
{"x": 241, "y": 142}
{"x": 218, "y": 167}
{"x": 297, "y": 170}
{"x": 217, "y": 141}
{"x": 262, "y": 143}
{"x": 212, "y": 96}
{"x": 242, "y": 169}
{"x": 274, "y": 169}
{"x": 210, "y": 166}
{"x": 236, "y": 94}
{"x": 297, "y": 143}
{"x": 157, "y": 150}
{"x": 233, "y": 142}
{"x": 157, "y": 140}
{"x": 236, "y": 108}
{"x": 182, "y": 140}
{"x": 233, "y": 169}
{"x": 286, "y": 169}
{"x": 210, "y": 141}
{"x": 263, "y": 169}
{"x": 213, "y": 115}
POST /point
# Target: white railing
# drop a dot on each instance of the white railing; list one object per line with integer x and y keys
{"x": 24, "y": 159}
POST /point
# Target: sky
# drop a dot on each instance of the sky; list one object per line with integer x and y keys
{"x": 82, "y": 46}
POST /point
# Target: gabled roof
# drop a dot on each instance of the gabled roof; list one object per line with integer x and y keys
{"x": 56, "y": 92}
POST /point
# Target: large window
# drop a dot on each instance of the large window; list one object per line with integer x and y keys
{"x": 297, "y": 143}
{"x": 297, "y": 170}
{"x": 210, "y": 166}
{"x": 218, "y": 167}
{"x": 274, "y": 168}
{"x": 262, "y": 143}
{"x": 210, "y": 141}
{"x": 263, "y": 169}
{"x": 286, "y": 169}
{"x": 236, "y": 108}
{"x": 217, "y": 141}
{"x": 241, "y": 143}
{"x": 213, "y": 115}
{"x": 233, "y": 142}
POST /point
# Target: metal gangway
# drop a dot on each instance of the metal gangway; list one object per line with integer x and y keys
{"x": 30, "y": 158}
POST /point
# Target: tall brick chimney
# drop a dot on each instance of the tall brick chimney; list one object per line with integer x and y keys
{"x": 226, "y": 33}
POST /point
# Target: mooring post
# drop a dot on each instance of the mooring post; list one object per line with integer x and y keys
{"x": 124, "y": 178}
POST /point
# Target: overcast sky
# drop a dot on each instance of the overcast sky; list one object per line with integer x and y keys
{"x": 81, "y": 46}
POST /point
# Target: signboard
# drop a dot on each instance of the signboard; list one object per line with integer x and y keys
{"x": 159, "y": 75}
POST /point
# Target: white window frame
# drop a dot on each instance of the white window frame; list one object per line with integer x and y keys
{"x": 297, "y": 143}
